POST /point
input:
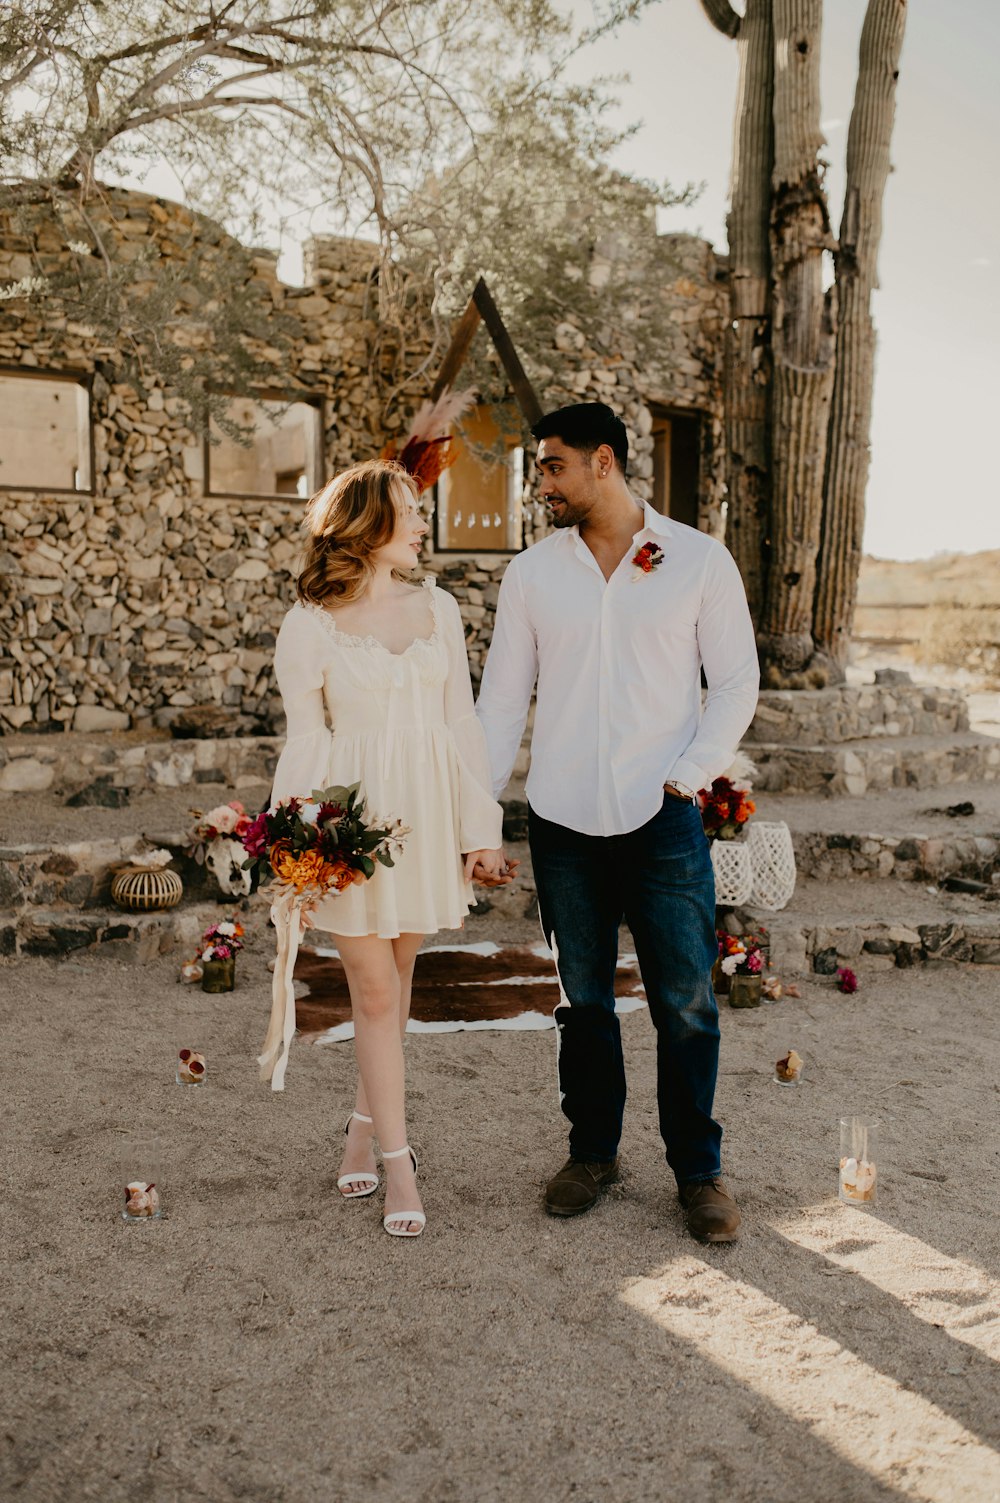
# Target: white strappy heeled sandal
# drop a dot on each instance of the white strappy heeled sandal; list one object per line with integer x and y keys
{"x": 403, "y": 1216}
{"x": 363, "y": 1177}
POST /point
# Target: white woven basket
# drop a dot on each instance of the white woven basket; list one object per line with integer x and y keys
{"x": 733, "y": 872}
{"x": 772, "y": 859}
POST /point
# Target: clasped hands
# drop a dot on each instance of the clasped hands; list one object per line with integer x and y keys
{"x": 490, "y": 868}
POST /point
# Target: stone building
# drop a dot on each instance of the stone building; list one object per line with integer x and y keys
{"x": 144, "y": 570}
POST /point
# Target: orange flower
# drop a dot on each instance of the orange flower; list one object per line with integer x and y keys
{"x": 278, "y": 853}
{"x": 307, "y": 870}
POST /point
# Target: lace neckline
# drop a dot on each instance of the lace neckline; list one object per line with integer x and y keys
{"x": 352, "y": 639}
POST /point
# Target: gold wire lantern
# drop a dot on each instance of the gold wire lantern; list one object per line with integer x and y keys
{"x": 146, "y": 890}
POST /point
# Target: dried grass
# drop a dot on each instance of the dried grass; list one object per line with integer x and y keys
{"x": 968, "y": 637}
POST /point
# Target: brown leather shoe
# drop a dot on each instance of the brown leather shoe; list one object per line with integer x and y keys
{"x": 577, "y": 1186}
{"x": 712, "y": 1214}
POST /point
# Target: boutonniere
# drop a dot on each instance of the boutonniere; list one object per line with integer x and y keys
{"x": 648, "y": 558}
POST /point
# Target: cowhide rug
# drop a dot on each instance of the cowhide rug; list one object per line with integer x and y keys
{"x": 454, "y": 986}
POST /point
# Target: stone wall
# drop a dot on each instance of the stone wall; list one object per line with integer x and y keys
{"x": 124, "y": 606}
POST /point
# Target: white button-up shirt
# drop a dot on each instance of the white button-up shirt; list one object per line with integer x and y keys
{"x": 618, "y": 663}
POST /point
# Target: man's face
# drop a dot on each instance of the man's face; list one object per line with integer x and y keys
{"x": 568, "y": 483}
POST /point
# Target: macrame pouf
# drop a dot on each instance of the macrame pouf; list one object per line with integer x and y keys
{"x": 733, "y": 872}
{"x": 772, "y": 859}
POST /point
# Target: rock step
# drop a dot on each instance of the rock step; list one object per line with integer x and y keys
{"x": 78, "y": 874}
{"x": 886, "y": 925}
{"x": 68, "y": 763}
{"x": 810, "y": 717}
{"x": 136, "y": 936}
{"x": 914, "y": 857}
{"x": 855, "y": 768}
{"x": 902, "y": 832}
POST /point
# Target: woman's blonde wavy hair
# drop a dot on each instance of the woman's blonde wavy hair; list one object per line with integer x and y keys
{"x": 346, "y": 522}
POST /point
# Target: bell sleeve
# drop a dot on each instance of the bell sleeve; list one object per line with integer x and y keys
{"x": 302, "y": 766}
{"x": 480, "y": 816}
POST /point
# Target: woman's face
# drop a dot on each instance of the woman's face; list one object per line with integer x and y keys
{"x": 402, "y": 551}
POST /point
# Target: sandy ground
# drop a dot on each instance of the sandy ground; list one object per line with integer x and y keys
{"x": 267, "y": 1341}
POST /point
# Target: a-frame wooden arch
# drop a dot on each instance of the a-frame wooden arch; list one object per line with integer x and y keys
{"x": 482, "y": 309}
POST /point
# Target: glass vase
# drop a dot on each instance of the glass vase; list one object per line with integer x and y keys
{"x": 744, "y": 990}
{"x": 218, "y": 975}
{"x": 720, "y": 980}
{"x": 858, "y": 1160}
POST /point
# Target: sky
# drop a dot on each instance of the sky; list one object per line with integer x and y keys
{"x": 933, "y": 484}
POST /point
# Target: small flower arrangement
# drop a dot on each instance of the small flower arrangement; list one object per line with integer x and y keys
{"x": 222, "y": 941}
{"x": 321, "y": 844}
{"x": 725, "y": 809}
{"x": 226, "y": 819}
{"x": 646, "y": 559}
{"x": 726, "y": 806}
{"x": 216, "y": 842}
{"x": 742, "y": 955}
{"x": 847, "y": 982}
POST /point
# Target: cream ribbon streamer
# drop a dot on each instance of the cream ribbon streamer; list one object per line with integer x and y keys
{"x": 286, "y": 916}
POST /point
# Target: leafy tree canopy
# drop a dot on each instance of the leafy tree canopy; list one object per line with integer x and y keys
{"x": 447, "y": 130}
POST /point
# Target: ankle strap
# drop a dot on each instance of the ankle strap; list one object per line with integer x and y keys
{"x": 361, "y": 1117}
{"x": 397, "y": 1153}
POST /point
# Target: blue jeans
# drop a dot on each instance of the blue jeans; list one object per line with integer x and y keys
{"x": 659, "y": 879}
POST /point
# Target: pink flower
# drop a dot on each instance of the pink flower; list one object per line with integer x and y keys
{"x": 755, "y": 963}
{"x": 225, "y": 819}
{"x": 846, "y": 980}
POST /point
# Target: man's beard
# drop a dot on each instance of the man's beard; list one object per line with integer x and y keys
{"x": 564, "y": 516}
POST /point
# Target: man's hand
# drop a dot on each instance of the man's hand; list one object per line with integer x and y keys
{"x": 490, "y": 868}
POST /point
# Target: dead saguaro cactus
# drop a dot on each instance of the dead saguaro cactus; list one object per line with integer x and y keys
{"x": 848, "y": 446}
{"x": 802, "y": 345}
{"x": 748, "y": 335}
{"x": 800, "y": 361}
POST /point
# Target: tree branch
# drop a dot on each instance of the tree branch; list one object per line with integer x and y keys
{"x": 723, "y": 17}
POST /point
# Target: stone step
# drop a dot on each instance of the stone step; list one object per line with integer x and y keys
{"x": 59, "y": 932}
{"x": 855, "y": 768}
{"x": 66, "y": 764}
{"x": 811, "y": 717}
{"x": 901, "y": 832}
{"x": 882, "y": 925}
{"x": 54, "y": 856}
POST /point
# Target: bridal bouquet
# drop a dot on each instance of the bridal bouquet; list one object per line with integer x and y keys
{"x": 312, "y": 847}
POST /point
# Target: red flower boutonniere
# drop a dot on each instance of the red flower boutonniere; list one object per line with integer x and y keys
{"x": 648, "y": 558}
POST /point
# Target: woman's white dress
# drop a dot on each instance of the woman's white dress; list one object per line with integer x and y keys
{"x": 403, "y": 725}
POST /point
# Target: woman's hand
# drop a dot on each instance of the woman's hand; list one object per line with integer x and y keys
{"x": 490, "y": 868}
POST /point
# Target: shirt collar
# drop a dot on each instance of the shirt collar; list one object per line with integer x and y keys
{"x": 652, "y": 521}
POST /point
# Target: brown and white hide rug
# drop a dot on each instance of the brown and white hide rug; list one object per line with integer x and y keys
{"x": 455, "y": 987}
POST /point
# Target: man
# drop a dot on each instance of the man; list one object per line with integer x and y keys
{"x": 616, "y": 612}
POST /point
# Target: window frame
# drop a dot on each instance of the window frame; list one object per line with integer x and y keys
{"x": 465, "y": 551}
{"x": 670, "y": 412}
{"x": 76, "y": 378}
{"x": 309, "y": 399}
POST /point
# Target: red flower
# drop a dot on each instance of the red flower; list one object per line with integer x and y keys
{"x": 254, "y": 838}
{"x": 846, "y": 980}
{"x": 648, "y": 557}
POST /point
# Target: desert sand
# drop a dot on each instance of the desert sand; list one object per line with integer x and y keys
{"x": 267, "y": 1341}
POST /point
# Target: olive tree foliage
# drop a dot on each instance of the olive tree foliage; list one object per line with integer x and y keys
{"x": 446, "y": 130}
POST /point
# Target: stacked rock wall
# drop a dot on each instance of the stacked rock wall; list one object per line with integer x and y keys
{"x": 150, "y": 595}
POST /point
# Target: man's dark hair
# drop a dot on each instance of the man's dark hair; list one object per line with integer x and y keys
{"x": 585, "y": 426}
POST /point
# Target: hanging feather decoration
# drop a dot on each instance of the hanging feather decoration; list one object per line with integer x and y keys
{"x": 427, "y": 450}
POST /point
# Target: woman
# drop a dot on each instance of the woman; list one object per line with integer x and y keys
{"x": 374, "y": 677}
